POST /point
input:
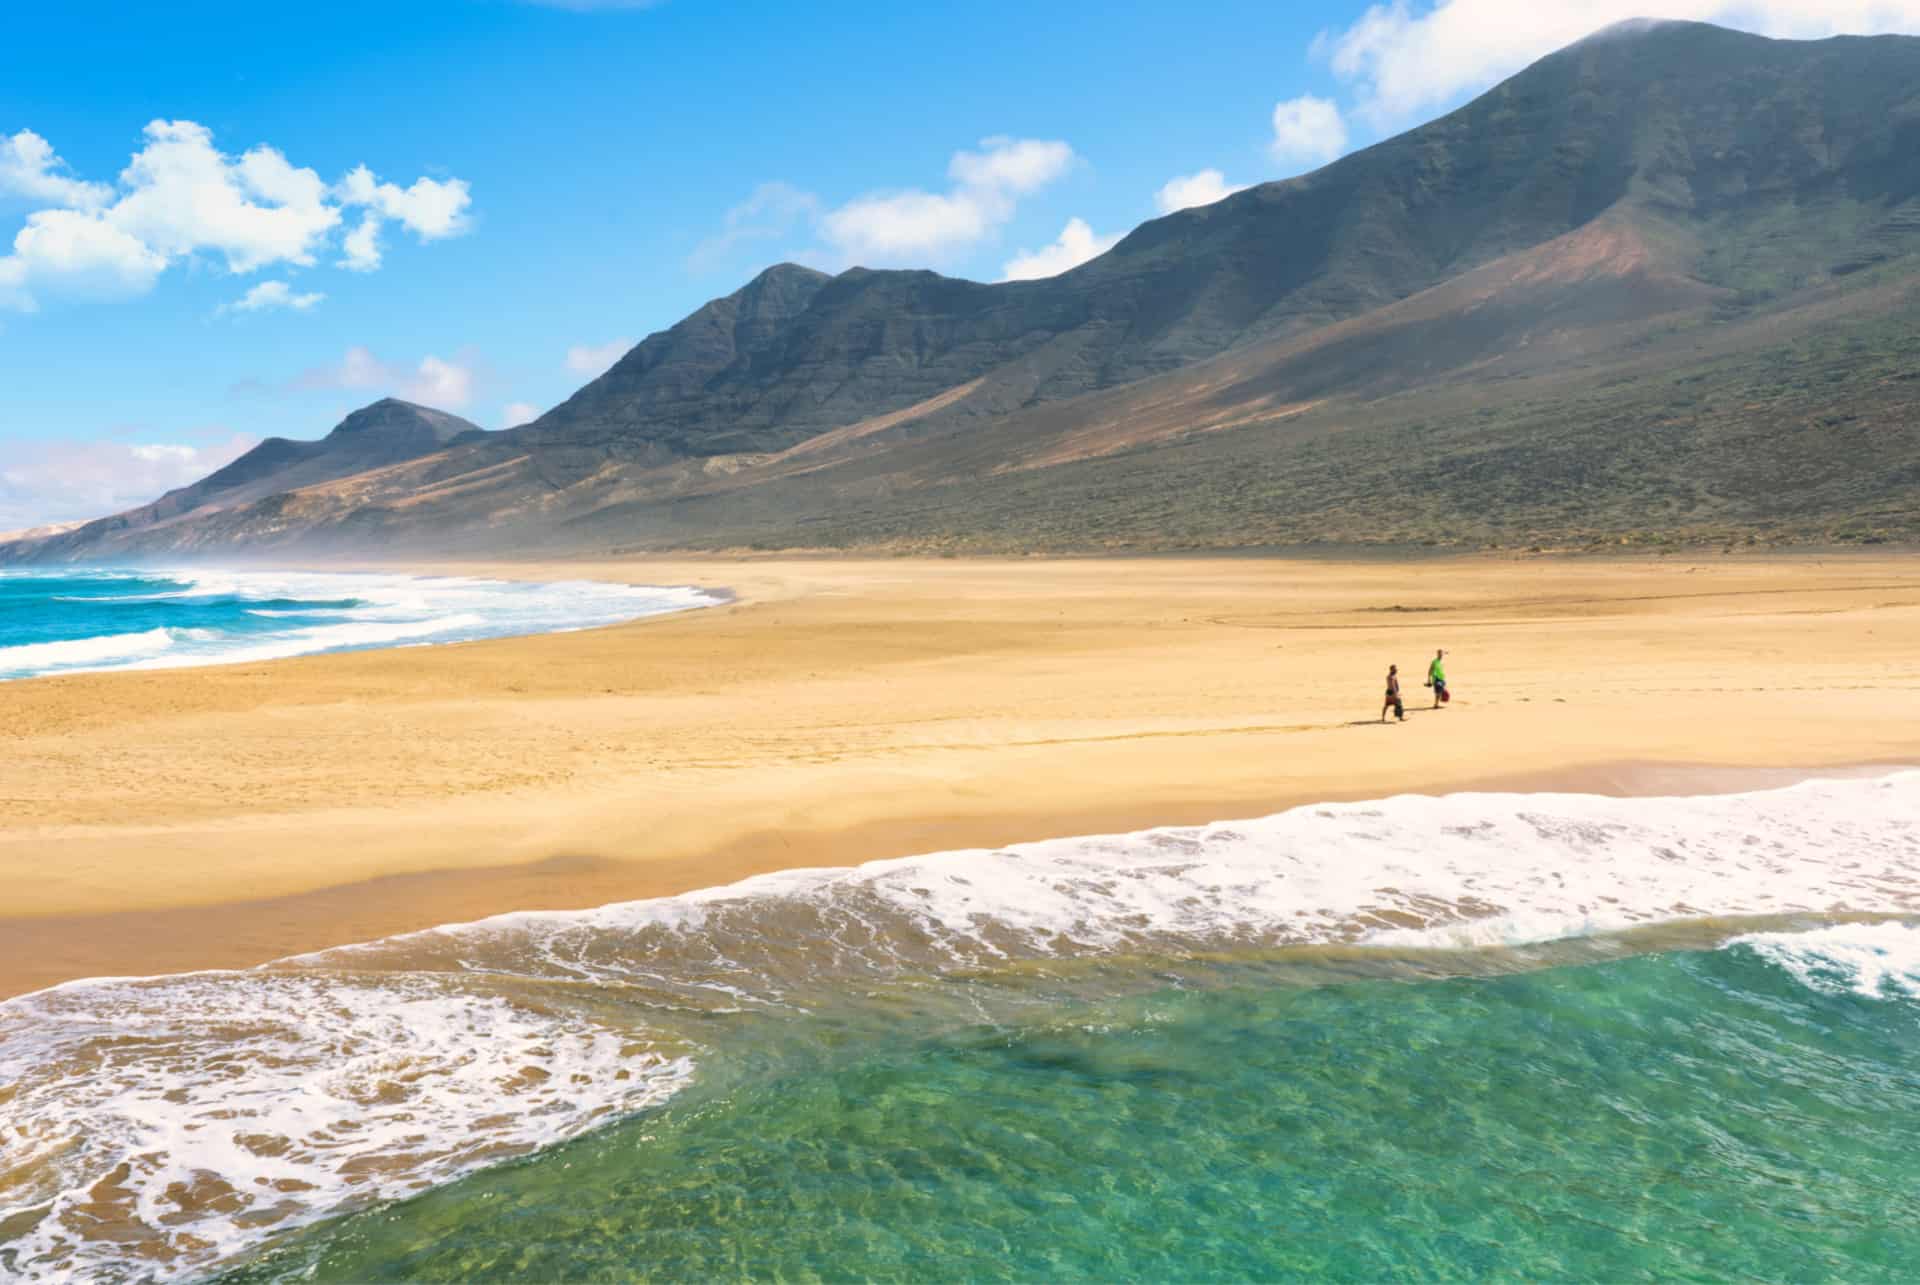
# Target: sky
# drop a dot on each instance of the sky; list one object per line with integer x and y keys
{"x": 224, "y": 222}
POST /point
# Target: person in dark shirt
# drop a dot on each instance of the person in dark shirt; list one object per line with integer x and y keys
{"x": 1393, "y": 696}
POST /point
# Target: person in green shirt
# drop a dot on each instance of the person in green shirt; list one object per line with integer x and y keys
{"x": 1437, "y": 678}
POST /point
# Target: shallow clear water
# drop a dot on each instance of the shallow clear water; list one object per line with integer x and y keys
{"x": 1698, "y": 1114}
{"x": 76, "y": 620}
{"x": 1523, "y": 1034}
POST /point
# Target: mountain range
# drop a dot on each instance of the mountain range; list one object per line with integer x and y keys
{"x": 1659, "y": 287}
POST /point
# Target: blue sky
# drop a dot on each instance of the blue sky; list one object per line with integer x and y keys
{"x": 229, "y": 221}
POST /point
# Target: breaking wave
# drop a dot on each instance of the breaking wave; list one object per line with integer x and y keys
{"x": 1878, "y": 961}
{"x": 74, "y": 622}
{"x": 171, "y": 1123}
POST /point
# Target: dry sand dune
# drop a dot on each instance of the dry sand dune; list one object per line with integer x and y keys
{"x": 841, "y": 711}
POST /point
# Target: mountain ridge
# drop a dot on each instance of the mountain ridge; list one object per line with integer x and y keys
{"x": 1646, "y": 188}
{"x": 384, "y": 432}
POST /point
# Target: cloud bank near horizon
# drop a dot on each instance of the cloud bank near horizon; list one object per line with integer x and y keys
{"x": 52, "y": 481}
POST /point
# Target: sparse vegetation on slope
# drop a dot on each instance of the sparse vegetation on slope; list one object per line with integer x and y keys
{"x": 1655, "y": 288}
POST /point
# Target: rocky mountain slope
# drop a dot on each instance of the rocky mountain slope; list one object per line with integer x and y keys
{"x": 388, "y": 432}
{"x": 1561, "y": 314}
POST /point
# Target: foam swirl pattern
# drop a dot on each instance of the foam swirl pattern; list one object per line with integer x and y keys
{"x": 158, "y": 1126}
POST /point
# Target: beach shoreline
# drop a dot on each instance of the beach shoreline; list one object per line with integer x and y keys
{"x": 51, "y": 950}
{"x": 838, "y": 711}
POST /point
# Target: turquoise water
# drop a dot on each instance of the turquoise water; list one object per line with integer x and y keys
{"x": 74, "y": 620}
{"x": 1751, "y": 1111}
{"x": 1507, "y": 1035}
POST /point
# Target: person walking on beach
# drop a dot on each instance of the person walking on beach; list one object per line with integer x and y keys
{"x": 1393, "y": 696}
{"x": 1437, "y": 679}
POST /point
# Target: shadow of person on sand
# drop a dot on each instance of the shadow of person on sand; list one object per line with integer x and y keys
{"x": 1376, "y": 722}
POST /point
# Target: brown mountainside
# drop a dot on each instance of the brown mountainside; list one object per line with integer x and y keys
{"x": 1659, "y": 286}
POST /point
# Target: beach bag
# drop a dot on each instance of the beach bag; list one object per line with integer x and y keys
{"x": 1445, "y": 695}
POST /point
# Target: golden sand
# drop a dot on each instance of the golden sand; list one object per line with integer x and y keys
{"x": 841, "y": 711}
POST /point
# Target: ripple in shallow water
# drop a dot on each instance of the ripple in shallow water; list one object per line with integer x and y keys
{"x": 170, "y": 1123}
{"x": 1692, "y": 1115}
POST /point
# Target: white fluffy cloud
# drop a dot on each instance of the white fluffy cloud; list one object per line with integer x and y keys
{"x": 1010, "y": 165}
{"x": 430, "y": 210}
{"x": 81, "y": 253}
{"x": 186, "y": 196}
{"x": 1076, "y": 244}
{"x": 269, "y": 295}
{"x": 59, "y": 481}
{"x": 514, "y": 414}
{"x": 181, "y": 198}
{"x": 1307, "y": 131}
{"x": 360, "y": 248}
{"x": 29, "y": 168}
{"x": 902, "y": 227}
{"x": 917, "y": 227}
{"x": 1405, "y": 59}
{"x": 435, "y": 381}
{"x": 1189, "y": 190}
{"x": 911, "y": 227}
{"x": 594, "y": 360}
{"x": 440, "y": 383}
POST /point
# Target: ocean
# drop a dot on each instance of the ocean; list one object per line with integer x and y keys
{"x": 1507, "y": 1035}
{"x": 64, "y": 622}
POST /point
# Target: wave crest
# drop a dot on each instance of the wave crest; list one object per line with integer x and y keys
{"x": 217, "y": 1109}
{"x": 1878, "y": 961}
{"x": 120, "y": 648}
{"x": 245, "y": 617}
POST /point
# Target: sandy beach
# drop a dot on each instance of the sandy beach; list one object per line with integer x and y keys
{"x": 839, "y": 711}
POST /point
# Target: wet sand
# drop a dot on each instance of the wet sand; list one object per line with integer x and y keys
{"x": 845, "y": 710}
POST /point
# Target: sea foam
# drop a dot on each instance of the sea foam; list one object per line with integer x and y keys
{"x": 1879, "y": 961}
{"x": 169, "y": 1123}
{"x": 1462, "y": 870}
{"x": 105, "y": 651}
{"x": 155, "y": 1126}
{"x": 227, "y": 617}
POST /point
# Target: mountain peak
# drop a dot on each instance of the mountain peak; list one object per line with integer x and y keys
{"x": 1628, "y": 28}
{"x": 1659, "y": 177}
{"x": 784, "y": 289}
{"x": 785, "y": 272}
{"x": 390, "y": 416}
